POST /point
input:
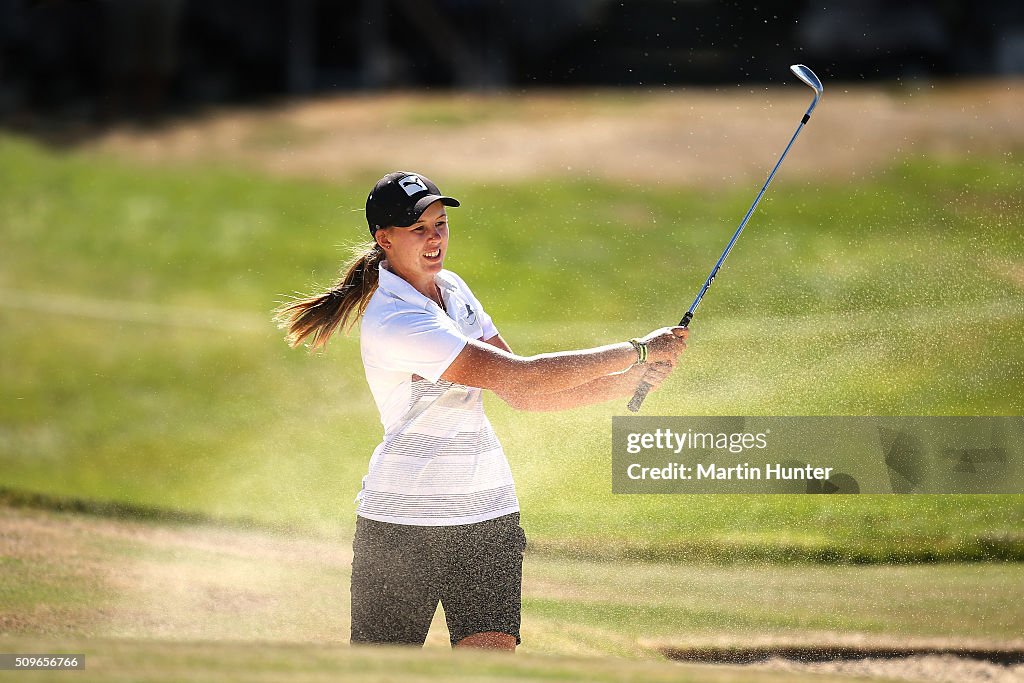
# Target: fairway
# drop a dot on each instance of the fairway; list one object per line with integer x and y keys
{"x": 164, "y": 382}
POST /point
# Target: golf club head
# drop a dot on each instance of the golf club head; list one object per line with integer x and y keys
{"x": 808, "y": 77}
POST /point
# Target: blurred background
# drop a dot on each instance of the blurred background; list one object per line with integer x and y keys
{"x": 102, "y": 60}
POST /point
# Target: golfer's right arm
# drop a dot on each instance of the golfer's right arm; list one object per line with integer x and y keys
{"x": 487, "y": 367}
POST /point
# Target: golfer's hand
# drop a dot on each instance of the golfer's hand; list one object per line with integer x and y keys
{"x": 656, "y": 373}
{"x": 666, "y": 344}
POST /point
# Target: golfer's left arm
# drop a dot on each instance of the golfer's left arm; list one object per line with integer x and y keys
{"x": 614, "y": 386}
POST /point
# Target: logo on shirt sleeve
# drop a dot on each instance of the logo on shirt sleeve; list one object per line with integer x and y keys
{"x": 470, "y": 315}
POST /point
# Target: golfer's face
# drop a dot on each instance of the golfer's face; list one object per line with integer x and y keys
{"x": 417, "y": 252}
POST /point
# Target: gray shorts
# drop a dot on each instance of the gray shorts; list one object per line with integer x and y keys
{"x": 400, "y": 572}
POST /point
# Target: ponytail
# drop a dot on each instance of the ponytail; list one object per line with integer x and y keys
{"x": 342, "y": 305}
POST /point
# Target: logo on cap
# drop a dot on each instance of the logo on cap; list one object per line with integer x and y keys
{"x": 412, "y": 184}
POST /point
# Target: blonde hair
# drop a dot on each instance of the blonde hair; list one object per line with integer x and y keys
{"x": 320, "y": 315}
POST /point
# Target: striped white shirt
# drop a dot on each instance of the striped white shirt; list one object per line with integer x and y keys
{"x": 440, "y": 462}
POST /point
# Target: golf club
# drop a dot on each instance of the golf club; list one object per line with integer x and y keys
{"x": 808, "y": 77}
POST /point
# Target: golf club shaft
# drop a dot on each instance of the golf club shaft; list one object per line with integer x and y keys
{"x": 644, "y": 387}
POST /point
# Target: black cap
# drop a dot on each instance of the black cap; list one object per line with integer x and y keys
{"x": 399, "y": 198}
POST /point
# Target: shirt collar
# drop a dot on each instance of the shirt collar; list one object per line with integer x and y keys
{"x": 399, "y": 288}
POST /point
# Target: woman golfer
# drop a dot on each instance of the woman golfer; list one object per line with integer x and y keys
{"x": 438, "y": 517}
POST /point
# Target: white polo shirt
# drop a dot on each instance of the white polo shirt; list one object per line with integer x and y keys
{"x": 440, "y": 462}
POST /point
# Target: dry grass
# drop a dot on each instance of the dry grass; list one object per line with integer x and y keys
{"x": 691, "y": 136}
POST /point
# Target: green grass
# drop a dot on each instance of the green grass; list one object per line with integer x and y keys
{"x": 630, "y": 602}
{"x": 140, "y": 364}
{"x": 109, "y": 660}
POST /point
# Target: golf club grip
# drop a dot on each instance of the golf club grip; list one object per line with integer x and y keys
{"x": 639, "y": 396}
{"x": 643, "y": 388}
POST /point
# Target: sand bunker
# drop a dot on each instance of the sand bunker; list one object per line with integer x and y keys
{"x": 918, "y": 660}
